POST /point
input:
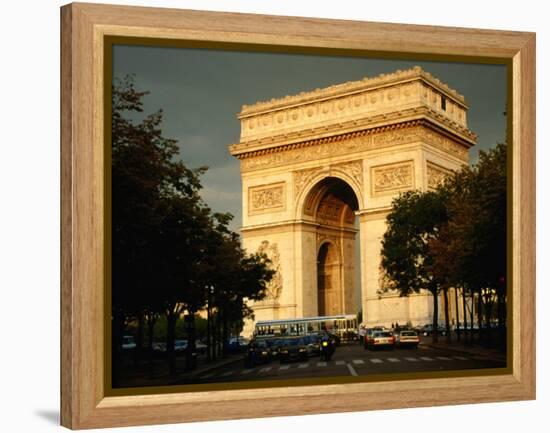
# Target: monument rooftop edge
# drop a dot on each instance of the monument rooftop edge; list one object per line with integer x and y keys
{"x": 385, "y": 100}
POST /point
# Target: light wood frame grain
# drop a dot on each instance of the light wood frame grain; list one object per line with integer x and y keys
{"x": 83, "y": 400}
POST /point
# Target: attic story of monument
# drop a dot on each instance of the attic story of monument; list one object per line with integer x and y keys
{"x": 319, "y": 171}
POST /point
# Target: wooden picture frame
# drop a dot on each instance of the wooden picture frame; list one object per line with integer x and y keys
{"x": 84, "y": 29}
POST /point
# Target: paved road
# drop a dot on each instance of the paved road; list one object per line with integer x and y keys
{"x": 353, "y": 360}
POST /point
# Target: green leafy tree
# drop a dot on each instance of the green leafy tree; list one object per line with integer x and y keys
{"x": 475, "y": 244}
{"x": 415, "y": 220}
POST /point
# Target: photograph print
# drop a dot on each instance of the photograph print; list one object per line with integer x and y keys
{"x": 281, "y": 217}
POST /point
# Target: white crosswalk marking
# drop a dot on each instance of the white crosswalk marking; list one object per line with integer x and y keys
{"x": 248, "y": 370}
{"x": 393, "y": 360}
{"x": 351, "y": 370}
{"x": 426, "y": 358}
{"x": 305, "y": 365}
{"x": 284, "y": 367}
{"x": 376, "y": 361}
{"x": 263, "y": 370}
{"x": 340, "y": 362}
{"x": 358, "y": 361}
{"x": 444, "y": 358}
{"x": 461, "y": 358}
{"x": 411, "y": 359}
{"x": 321, "y": 364}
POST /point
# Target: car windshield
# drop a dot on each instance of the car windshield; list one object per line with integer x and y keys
{"x": 261, "y": 344}
{"x": 408, "y": 333}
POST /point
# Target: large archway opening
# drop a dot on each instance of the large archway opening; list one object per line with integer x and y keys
{"x": 331, "y": 204}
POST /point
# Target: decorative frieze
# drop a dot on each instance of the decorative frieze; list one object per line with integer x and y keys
{"x": 355, "y": 142}
{"x": 392, "y": 177}
{"x": 266, "y": 198}
{"x": 436, "y": 175}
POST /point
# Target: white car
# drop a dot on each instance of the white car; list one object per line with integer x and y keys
{"x": 128, "y": 342}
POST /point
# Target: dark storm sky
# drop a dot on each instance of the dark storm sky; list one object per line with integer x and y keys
{"x": 201, "y": 92}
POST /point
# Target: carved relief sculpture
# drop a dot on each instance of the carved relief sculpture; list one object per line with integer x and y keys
{"x": 393, "y": 177}
{"x": 436, "y": 175}
{"x": 275, "y": 286}
{"x": 266, "y": 197}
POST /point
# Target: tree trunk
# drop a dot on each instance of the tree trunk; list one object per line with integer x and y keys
{"x": 150, "y": 332}
{"x": 472, "y": 316}
{"x": 225, "y": 337}
{"x": 480, "y": 316}
{"x": 435, "y": 336}
{"x": 457, "y": 316}
{"x": 208, "y": 333}
{"x": 139, "y": 339}
{"x": 171, "y": 320}
{"x": 464, "y": 314}
{"x": 214, "y": 336}
{"x": 447, "y": 324}
{"x": 190, "y": 352}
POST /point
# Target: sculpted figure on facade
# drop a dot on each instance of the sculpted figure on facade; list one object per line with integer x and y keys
{"x": 275, "y": 286}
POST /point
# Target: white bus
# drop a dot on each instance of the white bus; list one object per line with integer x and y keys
{"x": 344, "y": 326}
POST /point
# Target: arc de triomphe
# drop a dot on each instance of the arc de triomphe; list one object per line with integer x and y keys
{"x": 312, "y": 162}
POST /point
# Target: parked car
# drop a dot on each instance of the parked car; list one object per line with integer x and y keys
{"x": 428, "y": 330}
{"x": 159, "y": 347}
{"x": 407, "y": 338}
{"x": 180, "y": 345}
{"x": 381, "y": 339}
{"x": 200, "y": 346}
{"x": 128, "y": 342}
{"x": 293, "y": 348}
{"x": 237, "y": 344}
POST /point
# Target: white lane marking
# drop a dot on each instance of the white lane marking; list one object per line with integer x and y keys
{"x": 358, "y": 361}
{"x": 411, "y": 359}
{"x": 351, "y": 370}
{"x": 208, "y": 375}
{"x": 321, "y": 364}
{"x": 444, "y": 358}
{"x": 393, "y": 359}
{"x": 284, "y": 367}
{"x": 376, "y": 361}
{"x": 229, "y": 373}
{"x": 340, "y": 362}
{"x": 461, "y": 358}
{"x": 426, "y": 358}
{"x": 305, "y": 365}
{"x": 248, "y": 370}
{"x": 262, "y": 370}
